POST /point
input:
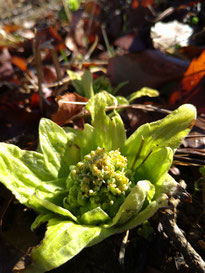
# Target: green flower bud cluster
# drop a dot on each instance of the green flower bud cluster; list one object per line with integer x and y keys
{"x": 100, "y": 180}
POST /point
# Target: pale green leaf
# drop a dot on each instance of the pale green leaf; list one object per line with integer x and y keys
{"x": 155, "y": 166}
{"x": 133, "y": 203}
{"x": 41, "y": 219}
{"x": 76, "y": 81}
{"x": 94, "y": 217}
{"x": 145, "y": 91}
{"x": 146, "y": 213}
{"x": 24, "y": 172}
{"x": 84, "y": 139}
{"x": 122, "y": 100}
{"x": 59, "y": 151}
{"x": 62, "y": 241}
{"x": 168, "y": 132}
{"x": 110, "y": 132}
{"x": 87, "y": 82}
{"x": 35, "y": 201}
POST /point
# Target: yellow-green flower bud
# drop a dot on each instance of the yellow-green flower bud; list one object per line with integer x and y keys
{"x": 100, "y": 180}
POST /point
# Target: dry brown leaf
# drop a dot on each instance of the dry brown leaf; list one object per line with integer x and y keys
{"x": 67, "y": 110}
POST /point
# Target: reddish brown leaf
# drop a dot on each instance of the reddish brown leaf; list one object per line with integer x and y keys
{"x": 144, "y": 3}
{"x": 92, "y": 8}
{"x": 48, "y": 36}
{"x": 66, "y": 110}
{"x": 125, "y": 41}
{"x": 55, "y": 34}
{"x": 49, "y": 74}
{"x": 34, "y": 101}
{"x": 191, "y": 88}
{"x": 194, "y": 73}
{"x": 11, "y": 28}
{"x": 191, "y": 51}
{"x": 19, "y": 62}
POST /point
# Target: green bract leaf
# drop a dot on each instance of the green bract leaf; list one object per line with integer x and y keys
{"x": 86, "y": 140}
{"x": 87, "y": 81}
{"x": 110, "y": 132}
{"x": 146, "y": 213}
{"x": 76, "y": 80}
{"x": 122, "y": 100}
{"x": 63, "y": 240}
{"x": 83, "y": 84}
{"x": 35, "y": 201}
{"x": 168, "y": 132}
{"x": 94, "y": 217}
{"x": 133, "y": 203}
{"x": 24, "y": 172}
{"x": 41, "y": 219}
{"x": 155, "y": 166}
{"x": 58, "y": 148}
{"x": 145, "y": 91}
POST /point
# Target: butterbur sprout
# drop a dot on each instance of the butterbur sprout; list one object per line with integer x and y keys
{"x": 99, "y": 181}
{"x": 90, "y": 184}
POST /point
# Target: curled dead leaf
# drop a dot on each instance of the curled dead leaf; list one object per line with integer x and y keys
{"x": 66, "y": 111}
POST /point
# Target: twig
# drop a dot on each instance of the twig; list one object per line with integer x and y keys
{"x": 91, "y": 49}
{"x": 175, "y": 234}
{"x": 123, "y": 247}
{"x": 37, "y": 56}
{"x": 110, "y": 50}
{"x": 56, "y": 63}
{"x": 67, "y": 11}
{"x": 132, "y": 106}
{"x": 161, "y": 16}
{"x": 182, "y": 160}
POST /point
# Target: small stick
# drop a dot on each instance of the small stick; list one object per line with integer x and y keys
{"x": 123, "y": 247}
{"x": 168, "y": 220}
{"x": 56, "y": 63}
{"x": 67, "y": 11}
{"x": 132, "y": 106}
{"x": 37, "y": 56}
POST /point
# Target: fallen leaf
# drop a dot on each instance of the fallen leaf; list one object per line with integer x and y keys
{"x": 49, "y": 74}
{"x": 125, "y": 41}
{"x": 19, "y": 62}
{"x": 148, "y": 68}
{"x": 11, "y": 28}
{"x": 92, "y": 8}
{"x": 191, "y": 51}
{"x": 6, "y": 68}
{"x": 144, "y": 3}
{"x": 191, "y": 87}
{"x": 67, "y": 110}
